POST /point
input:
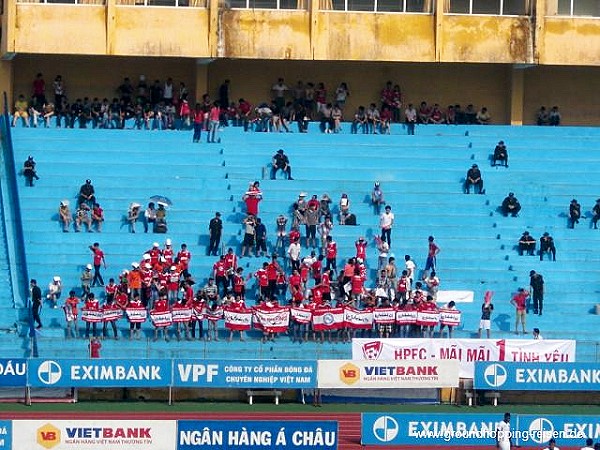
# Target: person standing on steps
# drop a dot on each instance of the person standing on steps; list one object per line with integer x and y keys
{"x": 36, "y": 302}
{"x": 536, "y": 282}
{"x": 99, "y": 260}
{"x": 215, "y": 228}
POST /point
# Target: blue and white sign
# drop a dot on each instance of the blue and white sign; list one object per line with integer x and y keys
{"x": 5, "y": 434}
{"x": 387, "y": 429}
{"x": 13, "y": 373}
{"x": 100, "y": 373}
{"x": 568, "y": 431}
{"x": 500, "y": 376}
{"x": 245, "y": 373}
{"x": 256, "y": 435}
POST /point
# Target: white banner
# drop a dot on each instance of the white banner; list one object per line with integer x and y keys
{"x": 450, "y": 317}
{"x": 92, "y": 315}
{"x": 161, "y": 318}
{"x": 467, "y": 351}
{"x": 275, "y": 321}
{"x": 95, "y": 434}
{"x": 237, "y": 320}
{"x": 384, "y": 315}
{"x": 328, "y": 319}
{"x": 358, "y": 319}
{"x": 301, "y": 315}
{"x": 456, "y": 296}
{"x": 387, "y": 374}
{"x": 136, "y": 315}
{"x": 181, "y": 314}
{"x": 428, "y": 318}
{"x": 406, "y": 317}
{"x": 110, "y": 315}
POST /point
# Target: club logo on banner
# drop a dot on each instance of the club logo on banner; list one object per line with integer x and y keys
{"x": 467, "y": 351}
{"x": 387, "y": 374}
{"x": 95, "y": 434}
{"x": 99, "y": 373}
{"x": 328, "y": 319}
{"x": 569, "y": 431}
{"x": 256, "y": 435}
{"x": 538, "y": 376}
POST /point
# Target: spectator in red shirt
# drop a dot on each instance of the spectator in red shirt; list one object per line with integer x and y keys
{"x": 99, "y": 260}
{"x": 94, "y": 347}
{"x": 519, "y": 301}
{"x": 252, "y": 198}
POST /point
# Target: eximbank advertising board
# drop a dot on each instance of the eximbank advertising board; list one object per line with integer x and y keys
{"x": 291, "y": 374}
{"x": 509, "y": 376}
{"x": 423, "y": 430}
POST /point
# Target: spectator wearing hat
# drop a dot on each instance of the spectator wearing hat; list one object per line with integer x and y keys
{"x": 82, "y": 217}
{"x": 500, "y": 155}
{"x": 474, "y": 179}
{"x": 281, "y": 162}
{"x": 526, "y": 244}
{"x": 377, "y": 198}
{"x": 510, "y": 205}
{"x": 134, "y": 280}
{"x": 596, "y": 211}
{"x": 132, "y": 216}
{"x": 64, "y": 215}
{"x": 386, "y": 221}
{"x": 54, "y": 291}
{"x": 36, "y": 302}
{"x": 547, "y": 246}
{"x": 324, "y": 209}
{"x": 86, "y": 279}
{"x": 87, "y": 193}
{"x": 29, "y": 171}
{"x": 574, "y": 213}
{"x": 536, "y": 283}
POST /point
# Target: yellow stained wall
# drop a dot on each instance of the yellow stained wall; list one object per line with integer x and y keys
{"x": 575, "y": 90}
{"x": 98, "y": 76}
{"x": 568, "y": 41}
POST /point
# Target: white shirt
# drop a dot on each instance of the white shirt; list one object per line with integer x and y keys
{"x": 410, "y": 268}
{"x": 585, "y": 448}
{"x": 386, "y": 220}
{"x": 279, "y": 90}
{"x": 294, "y": 251}
{"x": 503, "y": 432}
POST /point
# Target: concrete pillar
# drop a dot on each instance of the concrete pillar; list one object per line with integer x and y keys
{"x": 6, "y": 81}
{"x": 201, "y": 79}
{"x": 517, "y": 94}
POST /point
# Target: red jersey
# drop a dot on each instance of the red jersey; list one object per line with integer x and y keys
{"x": 317, "y": 296}
{"x": 98, "y": 256}
{"x": 316, "y": 268}
{"x": 167, "y": 253}
{"x": 433, "y": 249}
{"x": 520, "y": 301}
{"x": 357, "y": 284}
{"x": 147, "y": 277}
{"x": 110, "y": 289}
{"x": 238, "y": 284}
{"x": 261, "y": 276}
{"x": 304, "y": 273}
{"x": 230, "y": 262}
{"x": 273, "y": 270}
{"x": 219, "y": 268}
{"x": 121, "y": 300}
{"x": 252, "y": 204}
{"x": 331, "y": 250}
{"x": 348, "y": 270}
{"x": 295, "y": 281}
{"x": 402, "y": 285}
{"x": 325, "y": 283}
{"x": 154, "y": 255}
{"x": 92, "y": 304}
{"x": 161, "y": 305}
{"x": 427, "y": 306}
{"x": 298, "y": 295}
{"x": 72, "y": 303}
{"x": 294, "y": 235}
{"x": 183, "y": 258}
{"x": 95, "y": 346}
{"x": 361, "y": 250}
{"x": 188, "y": 295}
{"x": 173, "y": 280}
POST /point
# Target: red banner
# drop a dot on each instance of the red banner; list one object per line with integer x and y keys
{"x": 110, "y": 315}
{"x": 91, "y": 315}
{"x": 238, "y": 319}
{"x": 328, "y": 319}
{"x": 198, "y": 313}
{"x": 214, "y": 315}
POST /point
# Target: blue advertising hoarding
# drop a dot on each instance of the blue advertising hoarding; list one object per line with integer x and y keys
{"x": 5, "y": 434}
{"x": 386, "y": 429}
{"x": 537, "y": 376}
{"x": 291, "y": 374}
{"x": 99, "y": 373}
{"x": 568, "y": 431}
{"x": 13, "y": 372}
{"x": 256, "y": 435}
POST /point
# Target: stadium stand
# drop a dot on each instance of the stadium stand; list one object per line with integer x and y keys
{"x": 422, "y": 180}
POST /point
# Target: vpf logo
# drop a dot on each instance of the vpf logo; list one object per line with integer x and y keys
{"x": 349, "y": 373}
{"x": 48, "y": 436}
{"x": 372, "y": 350}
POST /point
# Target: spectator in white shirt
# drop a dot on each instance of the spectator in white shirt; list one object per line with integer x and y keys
{"x": 386, "y": 220}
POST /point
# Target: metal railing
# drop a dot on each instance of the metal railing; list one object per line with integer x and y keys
{"x": 15, "y": 242}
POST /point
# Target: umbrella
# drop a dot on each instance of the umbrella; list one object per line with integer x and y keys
{"x": 161, "y": 200}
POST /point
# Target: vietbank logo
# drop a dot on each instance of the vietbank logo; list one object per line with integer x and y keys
{"x": 48, "y": 436}
{"x": 349, "y": 373}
